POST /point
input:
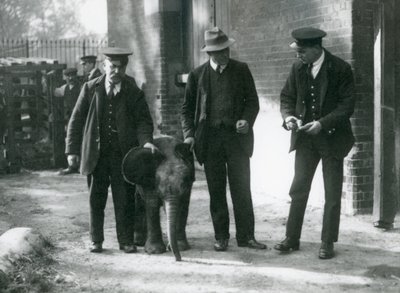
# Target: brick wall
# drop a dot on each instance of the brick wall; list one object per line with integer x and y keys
{"x": 152, "y": 32}
{"x": 360, "y": 172}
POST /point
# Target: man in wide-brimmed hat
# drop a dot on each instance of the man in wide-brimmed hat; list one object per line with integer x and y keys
{"x": 218, "y": 113}
{"x": 316, "y": 104}
{"x": 110, "y": 117}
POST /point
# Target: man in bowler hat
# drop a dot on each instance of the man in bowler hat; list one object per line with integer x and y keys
{"x": 316, "y": 104}
{"x": 219, "y": 109}
{"x": 110, "y": 117}
{"x": 90, "y": 70}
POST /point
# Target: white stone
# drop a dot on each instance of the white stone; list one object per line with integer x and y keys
{"x": 16, "y": 242}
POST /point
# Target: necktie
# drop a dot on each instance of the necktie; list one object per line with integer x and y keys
{"x": 309, "y": 70}
{"x": 218, "y": 69}
{"x": 110, "y": 94}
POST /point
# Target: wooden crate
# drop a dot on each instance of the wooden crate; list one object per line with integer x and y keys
{"x": 27, "y": 85}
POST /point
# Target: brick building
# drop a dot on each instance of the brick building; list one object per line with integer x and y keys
{"x": 166, "y": 37}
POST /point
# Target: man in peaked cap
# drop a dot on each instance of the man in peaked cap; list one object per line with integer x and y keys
{"x": 316, "y": 104}
{"x": 69, "y": 92}
{"x": 218, "y": 113}
{"x": 110, "y": 117}
{"x": 89, "y": 67}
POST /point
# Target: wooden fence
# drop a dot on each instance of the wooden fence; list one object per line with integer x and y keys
{"x": 66, "y": 51}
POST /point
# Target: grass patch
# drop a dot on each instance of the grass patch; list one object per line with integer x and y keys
{"x": 34, "y": 273}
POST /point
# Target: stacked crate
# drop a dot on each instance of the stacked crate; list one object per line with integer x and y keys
{"x": 27, "y": 86}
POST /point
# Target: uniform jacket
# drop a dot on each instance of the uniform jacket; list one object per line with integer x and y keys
{"x": 134, "y": 123}
{"x": 93, "y": 74}
{"x": 196, "y": 105}
{"x": 336, "y": 102}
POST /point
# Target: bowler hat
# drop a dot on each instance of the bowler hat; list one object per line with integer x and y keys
{"x": 88, "y": 58}
{"x": 139, "y": 166}
{"x": 70, "y": 71}
{"x": 307, "y": 36}
{"x": 215, "y": 40}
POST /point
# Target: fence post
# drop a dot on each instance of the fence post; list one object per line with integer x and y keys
{"x": 27, "y": 48}
{"x": 84, "y": 48}
{"x": 57, "y": 124}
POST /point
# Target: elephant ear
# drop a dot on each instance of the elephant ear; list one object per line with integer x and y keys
{"x": 139, "y": 166}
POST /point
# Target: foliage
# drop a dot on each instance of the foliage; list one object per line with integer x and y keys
{"x": 34, "y": 273}
{"x": 50, "y": 19}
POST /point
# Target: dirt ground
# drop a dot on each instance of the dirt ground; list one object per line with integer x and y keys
{"x": 368, "y": 260}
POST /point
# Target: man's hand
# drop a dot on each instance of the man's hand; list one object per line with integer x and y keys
{"x": 242, "y": 126}
{"x": 293, "y": 123}
{"x": 312, "y": 128}
{"x": 73, "y": 161}
{"x": 190, "y": 141}
{"x": 152, "y": 147}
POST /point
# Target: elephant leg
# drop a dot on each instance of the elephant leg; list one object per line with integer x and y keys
{"x": 140, "y": 220}
{"x": 182, "y": 220}
{"x": 154, "y": 242}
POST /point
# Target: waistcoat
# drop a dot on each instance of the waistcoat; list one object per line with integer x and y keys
{"x": 221, "y": 106}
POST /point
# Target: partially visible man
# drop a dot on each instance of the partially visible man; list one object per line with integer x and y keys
{"x": 69, "y": 92}
{"x": 218, "y": 113}
{"x": 110, "y": 117}
{"x": 316, "y": 104}
{"x": 90, "y": 71}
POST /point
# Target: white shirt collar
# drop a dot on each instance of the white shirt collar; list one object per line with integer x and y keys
{"x": 317, "y": 64}
{"x": 214, "y": 65}
{"x": 117, "y": 87}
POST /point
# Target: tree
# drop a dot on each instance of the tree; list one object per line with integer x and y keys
{"x": 49, "y": 19}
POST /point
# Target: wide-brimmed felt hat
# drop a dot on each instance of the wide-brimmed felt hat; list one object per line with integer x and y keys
{"x": 139, "y": 166}
{"x": 215, "y": 40}
{"x": 307, "y": 36}
{"x": 88, "y": 58}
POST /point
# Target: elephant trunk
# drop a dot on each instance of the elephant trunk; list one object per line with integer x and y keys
{"x": 171, "y": 209}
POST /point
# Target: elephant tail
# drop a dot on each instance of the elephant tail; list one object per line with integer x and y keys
{"x": 171, "y": 209}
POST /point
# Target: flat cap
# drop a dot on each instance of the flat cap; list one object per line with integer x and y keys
{"x": 88, "y": 58}
{"x": 307, "y": 36}
{"x": 115, "y": 52}
{"x": 70, "y": 71}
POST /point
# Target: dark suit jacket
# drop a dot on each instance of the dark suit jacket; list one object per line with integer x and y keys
{"x": 196, "y": 105}
{"x": 336, "y": 102}
{"x": 134, "y": 123}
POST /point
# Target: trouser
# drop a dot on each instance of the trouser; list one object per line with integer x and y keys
{"x": 225, "y": 157}
{"x": 106, "y": 173}
{"x": 307, "y": 158}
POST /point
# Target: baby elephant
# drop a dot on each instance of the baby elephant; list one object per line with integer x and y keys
{"x": 168, "y": 176}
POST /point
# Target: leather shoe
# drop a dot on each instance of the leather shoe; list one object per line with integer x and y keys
{"x": 252, "y": 243}
{"x": 68, "y": 171}
{"x": 326, "y": 250}
{"x": 130, "y": 248}
{"x": 221, "y": 245}
{"x": 383, "y": 225}
{"x": 288, "y": 244}
{"x": 96, "y": 247}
